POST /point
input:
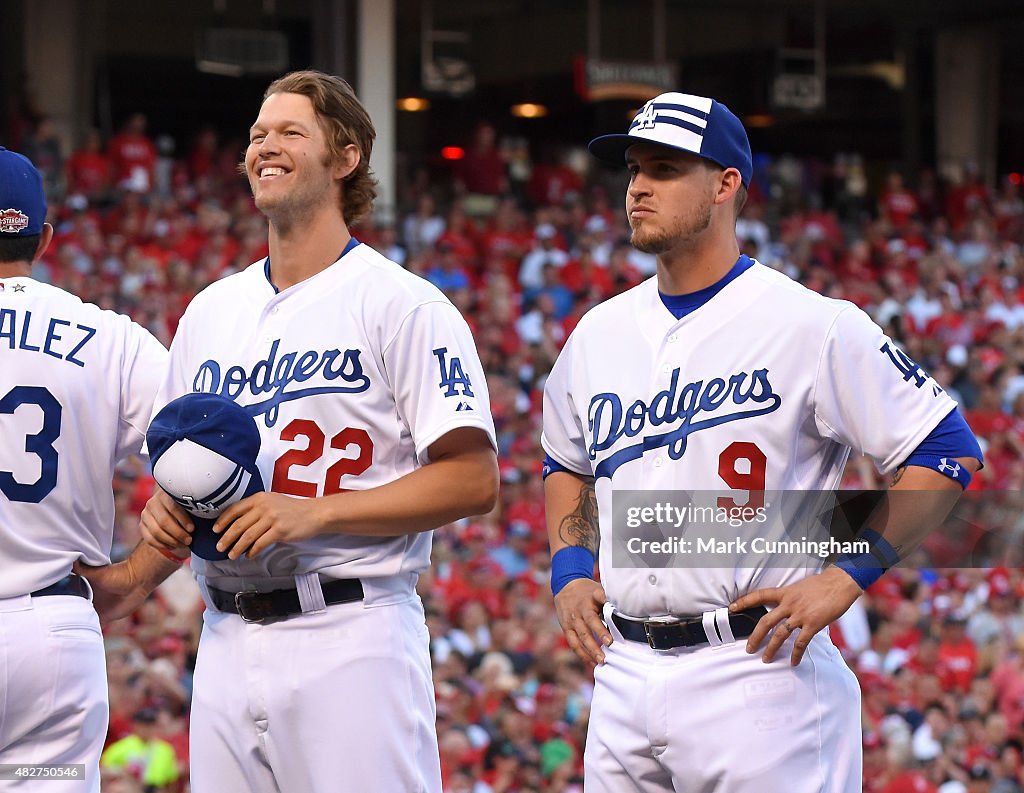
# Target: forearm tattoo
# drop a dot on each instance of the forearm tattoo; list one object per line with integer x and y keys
{"x": 580, "y": 527}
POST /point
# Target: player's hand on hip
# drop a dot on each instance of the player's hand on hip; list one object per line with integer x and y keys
{"x": 164, "y": 523}
{"x": 114, "y": 589}
{"x": 578, "y": 607}
{"x": 257, "y": 522}
{"x": 803, "y": 608}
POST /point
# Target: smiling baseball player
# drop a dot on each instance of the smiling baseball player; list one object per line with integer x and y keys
{"x": 76, "y": 390}
{"x": 720, "y": 374}
{"x": 314, "y": 671}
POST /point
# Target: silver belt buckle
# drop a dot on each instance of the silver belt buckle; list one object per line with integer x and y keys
{"x": 254, "y": 615}
{"x": 651, "y": 641}
{"x": 647, "y": 632}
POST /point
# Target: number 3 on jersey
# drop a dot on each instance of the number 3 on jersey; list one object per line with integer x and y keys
{"x": 316, "y": 439}
{"x": 39, "y": 444}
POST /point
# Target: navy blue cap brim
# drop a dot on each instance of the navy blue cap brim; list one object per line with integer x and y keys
{"x": 612, "y": 148}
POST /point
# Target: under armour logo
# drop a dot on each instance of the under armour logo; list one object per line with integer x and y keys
{"x": 647, "y": 117}
{"x": 953, "y": 469}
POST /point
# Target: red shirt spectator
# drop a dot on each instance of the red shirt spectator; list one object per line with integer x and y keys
{"x": 958, "y": 658}
{"x": 912, "y": 781}
{"x": 133, "y": 155}
{"x": 89, "y": 169}
{"x": 897, "y": 204}
{"x": 550, "y": 184}
{"x": 482, "y": 169}
{"x": 584, "y": 277}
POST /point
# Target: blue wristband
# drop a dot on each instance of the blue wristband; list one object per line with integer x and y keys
{"x": 881, "y": 548}
{"x": 570, "y": 563}
{"x": 864, "y": 567}
{"x": 857, "y": 568}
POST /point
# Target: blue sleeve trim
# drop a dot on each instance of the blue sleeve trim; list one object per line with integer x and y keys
{"x": 552, "y": 466}
{"x": 950, "y": 439}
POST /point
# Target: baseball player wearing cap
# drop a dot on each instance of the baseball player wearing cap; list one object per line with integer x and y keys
{"x": 314, "y": 671}
{"x": 76, "y": 391}
{"x": 720, "y": 374}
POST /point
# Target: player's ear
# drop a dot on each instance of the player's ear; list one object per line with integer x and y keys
{"x": 729, "y": 182}
{"x": 347, "y": 162}
{"x": 44, "y": 241}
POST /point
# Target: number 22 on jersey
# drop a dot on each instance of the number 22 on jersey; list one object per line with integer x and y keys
{"x": 316, "y": 440}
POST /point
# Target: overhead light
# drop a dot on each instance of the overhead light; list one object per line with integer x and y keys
{"x": 759, "y": 120}
{"x": 452, "y": 153}
{"x": 529, "y": 110}
{"x": 220, "y": 67}
{"x": 413, "y": 104}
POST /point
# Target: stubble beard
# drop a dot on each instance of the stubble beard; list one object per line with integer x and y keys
{"x": 285, "y": 211}
{"x": 660, "y": 240}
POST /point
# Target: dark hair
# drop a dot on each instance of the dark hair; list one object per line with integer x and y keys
{"x": 345, "y": 120}
{"x": 19, "y": 249}
{"x": 741, "y": 200}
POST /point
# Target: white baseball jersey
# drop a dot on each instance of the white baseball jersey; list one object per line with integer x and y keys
{"x": 767, "y": 386}
{"x": 351, "y": 375}
{"x": 77, "y": 385}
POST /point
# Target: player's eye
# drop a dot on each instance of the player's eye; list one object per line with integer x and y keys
{"x": 256, "y": 138}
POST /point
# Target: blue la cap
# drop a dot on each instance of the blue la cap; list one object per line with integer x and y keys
{"x": 22, "y": 201}
{"x": 696, "y": 124}
{"x": 203, "y": 448}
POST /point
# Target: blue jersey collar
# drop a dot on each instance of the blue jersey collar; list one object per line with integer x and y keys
{"x": 681, "y": 305}
{"x": 266, "y": 265}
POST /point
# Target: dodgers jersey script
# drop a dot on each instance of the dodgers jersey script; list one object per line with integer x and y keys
{"x": 728, "y": 398}
{"x": 76, "y": 391}
{"x": 350, "y": 375}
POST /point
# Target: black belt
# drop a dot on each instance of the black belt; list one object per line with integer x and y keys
{"x": 71, "y": 584}
{"x": 685, "y": 632}
{"x": 280, "y": 603}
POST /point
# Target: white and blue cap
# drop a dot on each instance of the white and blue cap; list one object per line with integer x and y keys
{"x": 203, "y": 448}
{"x": 696, "y": 124}
{"x": 22, "y": 200}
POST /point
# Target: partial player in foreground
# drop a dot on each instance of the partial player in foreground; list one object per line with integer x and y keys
{"x": 373, "y": 429}
{"x": 720, "y": 374}
{"x": 76, "y": 391}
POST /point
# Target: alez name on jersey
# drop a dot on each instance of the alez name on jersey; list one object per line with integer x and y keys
{"x": 61, "y": 339}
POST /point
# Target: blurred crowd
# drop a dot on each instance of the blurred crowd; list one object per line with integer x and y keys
{"x": 524, "y": 249}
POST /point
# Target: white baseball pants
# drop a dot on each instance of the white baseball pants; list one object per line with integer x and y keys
{"x": 717, "y": 720}
{"x": 53, "y": 690}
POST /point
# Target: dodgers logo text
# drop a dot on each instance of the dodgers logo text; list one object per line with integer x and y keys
{"x": 271, "y": 377}
{"x": 749, "y": 392}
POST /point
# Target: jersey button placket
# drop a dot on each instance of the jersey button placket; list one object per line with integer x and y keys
{"x": 267, "y": 324}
